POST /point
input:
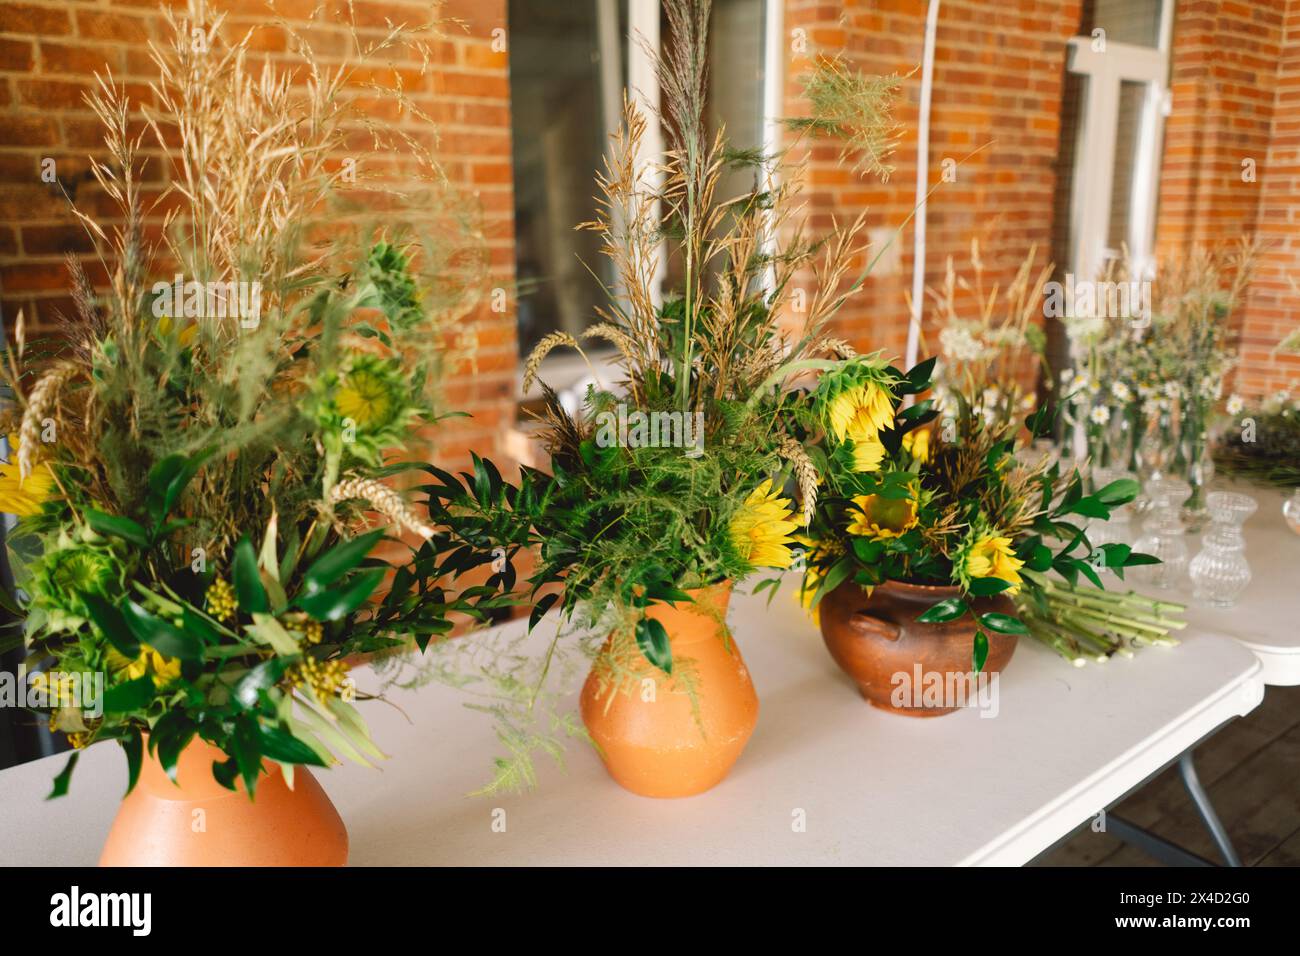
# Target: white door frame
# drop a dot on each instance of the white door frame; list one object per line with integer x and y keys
{"x": 1107, "y": 65}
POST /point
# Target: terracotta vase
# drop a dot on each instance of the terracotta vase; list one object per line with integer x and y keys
{"x": 662, "y": 747}
{"x": 878, "y": 642}
{"x": 198, "y": 822}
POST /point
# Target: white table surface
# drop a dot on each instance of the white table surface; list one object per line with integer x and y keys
{"x": 1267, "y": 616}
{"x": 874, "y": 788}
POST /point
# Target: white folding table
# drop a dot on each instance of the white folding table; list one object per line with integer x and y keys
{"x": 826, "y": 779}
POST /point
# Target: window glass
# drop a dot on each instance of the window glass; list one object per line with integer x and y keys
{"x": 1128, "y": 134}
{"x": 1125, "y": 21}
{"x": 558, "y": 131}
{"x": 568, "y": 65}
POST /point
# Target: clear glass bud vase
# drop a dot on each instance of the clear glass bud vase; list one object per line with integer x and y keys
{"x": 1163, "y": 534}
{"x": 1219, "y": 572}
{"x": 1291, "y": 511}
{"x": 1119, "y": 529}
{"x": 1199, "y": 471}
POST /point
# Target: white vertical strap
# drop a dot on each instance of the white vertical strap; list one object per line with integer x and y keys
{"x": 922, "y": 186}
{"x": 643, "y": 87}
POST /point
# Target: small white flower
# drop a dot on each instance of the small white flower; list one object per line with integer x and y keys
{"x": 1085, "y": 328}
{"x": 1121, "y": 391}
{"x": 1173, "y": 390}
{"x": 1235, "y": 405}
{"x": 959, "y": 345}
{"x": 1100, "y": 415}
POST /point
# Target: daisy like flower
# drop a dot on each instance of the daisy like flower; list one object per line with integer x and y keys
{"x": 763, "y": 527}
{"x": 959, "y": 345}
{"x": 1099, "y": 415}
{"x": 1236, "y": 405}
{"x": 1121, "y": 391}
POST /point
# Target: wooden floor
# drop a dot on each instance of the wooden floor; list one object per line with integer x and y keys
{"x": 1251, "y": 769}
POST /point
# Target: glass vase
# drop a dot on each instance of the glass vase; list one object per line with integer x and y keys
{"x": 1163, "y": 533}
{"x": 1199, "y": 470}
{"x": 1119, "y": 529}
{"x": 1219, "y": 571}
{"x": 1291, "y": 511}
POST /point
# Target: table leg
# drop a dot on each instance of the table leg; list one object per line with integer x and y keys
{"x": 1171, "y": 853}
{"x": 1206, "y": 809}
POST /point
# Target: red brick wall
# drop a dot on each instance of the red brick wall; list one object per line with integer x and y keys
{"x": 998, "y": 81}
{"x": 49, "y": 50}
{"x": 1274, "y": 307}
{"x": 1223, "y": 78}
{"x": 1235, "y": 83}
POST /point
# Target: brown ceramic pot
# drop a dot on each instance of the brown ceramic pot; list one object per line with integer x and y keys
{"x": 198, "y": 822}
{"x": 874, "y": 639}
{"x": 661, "y": 747}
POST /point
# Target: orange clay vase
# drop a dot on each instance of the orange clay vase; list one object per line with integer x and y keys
{"x": 653, "y": 740}
{"x": 198, "y": 822}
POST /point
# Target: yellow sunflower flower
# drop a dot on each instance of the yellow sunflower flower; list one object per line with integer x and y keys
{"x": 861, "y": 412}
{"x": 812, "y": 579}
{"x": 164, "y": 670}
{"x": 918, "y": 444}
{"x": 58, "y": 690}
{"x": 992, "y": 556}
{"x": 873, "y": 516}
{"x": 761, "y": 529}
{"x": 369, "y": 397}
{"x": 185, "y": 336}
{"x": 23, "y": 496}
{"x": 867, "y": 455}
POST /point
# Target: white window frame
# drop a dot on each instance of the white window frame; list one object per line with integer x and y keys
{"x": 1094, "y": 164}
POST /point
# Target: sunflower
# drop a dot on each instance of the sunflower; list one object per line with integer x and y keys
{"x": 867, "y": 455}
{"x": 917, "y": 443}
{"x": 992, "y": 556}
{"x": 23, "y": 496}
{"x": 817, "y": 556}
{"x": 761, "y": 529}
{"x": 874, "y": 516}
{"x": 185, "y": 333}
{"x": 163, "y": 670}
{"x": 372, "y": 394}
{"x": 860, "y": 411}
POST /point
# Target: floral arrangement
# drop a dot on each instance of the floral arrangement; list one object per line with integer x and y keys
{"x": 671, "y": 476}
{"x": 1262, "y": 442}
{"x": 1146, "y": 386}
{"x": 950, "y": 502}
{"x": 991, "y": 360}
{"x": 203, "y": 494}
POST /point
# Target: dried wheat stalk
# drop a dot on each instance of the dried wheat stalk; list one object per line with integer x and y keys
{"x": 383, "y": 499}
